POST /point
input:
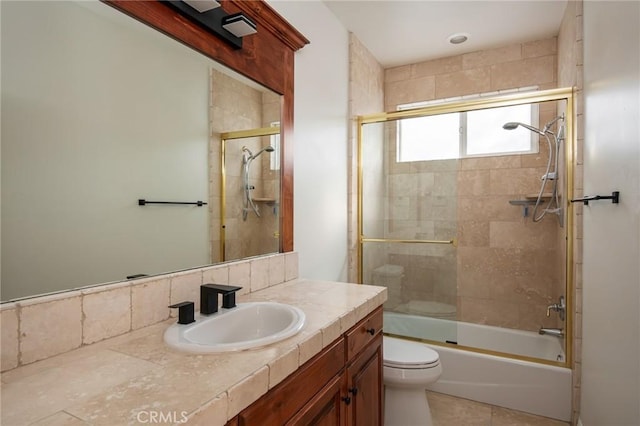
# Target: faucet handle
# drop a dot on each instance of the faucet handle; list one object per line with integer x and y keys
{"x": 559, "y": 307}
{"x": 185, "y": 312}
{"x": 209, "y": 297}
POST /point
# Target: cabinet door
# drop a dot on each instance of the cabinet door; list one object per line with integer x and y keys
{"x": 297, "y": 391}
{"x": 365, "y": 386}
{"x": 327, "y": 408}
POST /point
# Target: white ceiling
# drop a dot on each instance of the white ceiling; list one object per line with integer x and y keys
{"x": 399, "y": 32}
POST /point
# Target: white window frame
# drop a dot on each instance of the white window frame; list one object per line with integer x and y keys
{"x": 462, "y": 144}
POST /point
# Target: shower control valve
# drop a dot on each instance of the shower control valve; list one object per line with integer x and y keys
{"x": 559, "y": 307}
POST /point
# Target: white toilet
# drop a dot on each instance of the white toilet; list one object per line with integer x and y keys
{"x": 408, "y": 368}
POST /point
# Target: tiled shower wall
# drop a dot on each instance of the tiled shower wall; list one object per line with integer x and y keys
{"x": 366, "y": 89}
{"x": 505, "y": 269}
{"x": 508, "y": 268}
{"x": 236, "y": 106}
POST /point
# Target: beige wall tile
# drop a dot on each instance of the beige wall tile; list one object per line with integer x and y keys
{"x": 401, "y": 73}
{"x": 522, "y": 182}
{"x": 408, "y": 91}
{"x": 529, "y": 72}
{"x": 366, "y": 95}
{"x": 474, "y": 182}
{"x": 9, "y": 338}
{"x": 150, "y": 303}
{"x": 290, "y": 266}
{"x": 473, "y": 233}
{"x": 437, "y": 66}
{"x": 527, "y": 235}
{"x": 185, "y": 287}
{"x": 216, "y": 275}
{"x": 540, "y": 48}
{"x": 488, "y": 163}
{"x": 463, "y": 83}
{"x": 483, "y": 58}
{"x": 276, "y": 269}
{"x": 489, "y": 207}
{"x": 259, "y": 274}
{"x": 471, "y": 284}
{"x": 240, "y": 275}
{"x": 106, "y": 314}
{"x": 538, "y": 160}
{"x": 50, "y": 328}
{"x": 490, "y": 312}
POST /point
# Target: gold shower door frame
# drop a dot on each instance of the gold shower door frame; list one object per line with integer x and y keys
{"x": 561, "y": 94}
{"x": 224, "y": 137}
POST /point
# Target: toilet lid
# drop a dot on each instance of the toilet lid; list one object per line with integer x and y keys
{"x": 401, "y": 353}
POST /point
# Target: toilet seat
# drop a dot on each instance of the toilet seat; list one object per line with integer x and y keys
{"x": 405, "y": 354}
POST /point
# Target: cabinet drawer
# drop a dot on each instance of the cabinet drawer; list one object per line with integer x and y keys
{"x": 288, "y": 397}
{"x": 363, "y": 333}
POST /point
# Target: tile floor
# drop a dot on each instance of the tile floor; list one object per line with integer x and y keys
{"x": 451, "y": 411}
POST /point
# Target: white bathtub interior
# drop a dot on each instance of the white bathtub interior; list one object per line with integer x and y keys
{"x": 527, "y": 386}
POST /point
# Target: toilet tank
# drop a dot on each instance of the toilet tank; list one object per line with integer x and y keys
{"x": 390, "y": 276}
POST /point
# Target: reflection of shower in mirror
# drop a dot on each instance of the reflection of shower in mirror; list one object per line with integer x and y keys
{"x": 247, "y": 159}
{"x": 554, "y": 141}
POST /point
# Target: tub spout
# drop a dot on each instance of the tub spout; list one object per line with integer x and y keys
{"x": 558, "y": 332}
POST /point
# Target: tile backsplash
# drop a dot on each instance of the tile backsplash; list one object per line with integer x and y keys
{"x": 40, "y": 327}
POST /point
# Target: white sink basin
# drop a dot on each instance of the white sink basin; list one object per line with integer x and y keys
{"x": 247, "y": 326}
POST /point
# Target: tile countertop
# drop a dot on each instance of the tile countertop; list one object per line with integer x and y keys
{"x": 136, "y": 379}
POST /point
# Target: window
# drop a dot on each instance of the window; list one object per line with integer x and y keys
{"x": 466, "y": 134}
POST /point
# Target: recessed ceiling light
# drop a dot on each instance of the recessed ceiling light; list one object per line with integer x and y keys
{"x": 458, "y": 38}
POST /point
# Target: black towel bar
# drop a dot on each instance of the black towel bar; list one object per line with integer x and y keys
{"x": 614, "y": 197}
{"x": 142, "y": 202}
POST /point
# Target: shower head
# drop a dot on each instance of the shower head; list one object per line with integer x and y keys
{"x": 252, "y": 156}
{"x": 268, "y": 148}
{"x": 513, "y": 125}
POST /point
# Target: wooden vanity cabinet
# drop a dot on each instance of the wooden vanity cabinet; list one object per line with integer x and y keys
{"x": 342, "y": 385}
{"x": 364, "y": 386}
{"x": 364, "y": 371}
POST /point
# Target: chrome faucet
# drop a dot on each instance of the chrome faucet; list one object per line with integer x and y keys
{"x": 559, "y": 307}
{"x": 558, "y": 332}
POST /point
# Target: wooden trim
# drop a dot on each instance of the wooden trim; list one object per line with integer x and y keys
{"x": 263, "y": 15}
{"x": 284, "y": 400}
{"x": 286, "y": 161}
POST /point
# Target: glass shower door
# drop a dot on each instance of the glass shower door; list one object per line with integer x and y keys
{"x": 408, "y": 234}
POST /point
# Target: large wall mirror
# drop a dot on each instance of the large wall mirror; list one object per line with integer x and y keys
{"x": 98, "y": 112}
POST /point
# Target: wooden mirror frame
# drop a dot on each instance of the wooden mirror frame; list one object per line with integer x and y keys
{"x": 266, "y": 57}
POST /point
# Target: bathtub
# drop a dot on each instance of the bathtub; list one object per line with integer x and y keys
{"x": 532, "y": 387}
